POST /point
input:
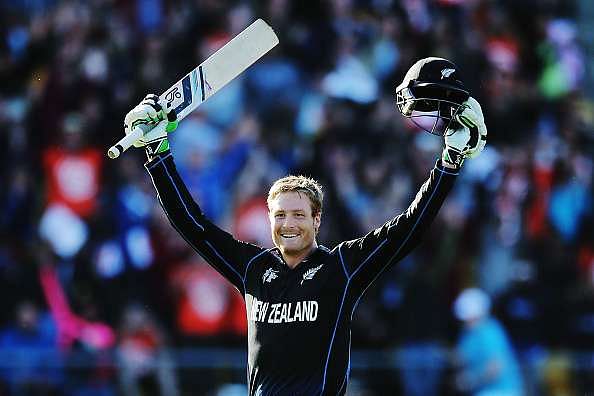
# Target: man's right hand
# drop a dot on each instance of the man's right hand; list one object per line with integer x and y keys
{"x": 146, "y": 116}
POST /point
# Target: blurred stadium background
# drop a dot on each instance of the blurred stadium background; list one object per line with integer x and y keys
{"x": 100, "y": 296}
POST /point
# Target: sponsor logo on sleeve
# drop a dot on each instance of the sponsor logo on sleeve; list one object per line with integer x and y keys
{"x": 269, "y": 275}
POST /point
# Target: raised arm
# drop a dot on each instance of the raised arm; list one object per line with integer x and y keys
{"x": 227, "y": 255}
{"x": 363, "y": 259}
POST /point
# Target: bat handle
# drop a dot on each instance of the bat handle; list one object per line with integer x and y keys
{"x": 139, "y": 131}
{"x": 124, "y": 144}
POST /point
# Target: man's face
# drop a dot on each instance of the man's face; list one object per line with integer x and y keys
{"x": 292, "y": 225}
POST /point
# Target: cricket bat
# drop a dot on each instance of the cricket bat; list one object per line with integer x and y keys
{"x": 209, "y": 77}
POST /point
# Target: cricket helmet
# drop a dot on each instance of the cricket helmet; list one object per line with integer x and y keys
{"x": 431, "y": 94}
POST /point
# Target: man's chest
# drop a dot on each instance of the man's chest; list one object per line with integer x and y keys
{"x": 277, "y": 295}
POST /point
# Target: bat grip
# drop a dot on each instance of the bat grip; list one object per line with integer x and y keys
{"x": 124, "y": 143}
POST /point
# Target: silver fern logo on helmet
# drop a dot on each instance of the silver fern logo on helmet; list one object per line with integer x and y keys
{"x": 431, "y": 94}
{"x": 445, "y": 73}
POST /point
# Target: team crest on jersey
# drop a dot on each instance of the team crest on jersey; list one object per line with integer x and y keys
{"x": 309, "y": 274}
{"x": 269, "y": 275}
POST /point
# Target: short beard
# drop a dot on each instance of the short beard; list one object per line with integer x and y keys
{"x": 296, "y": 252}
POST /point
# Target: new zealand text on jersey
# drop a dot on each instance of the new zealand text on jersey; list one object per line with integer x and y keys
{"x": 298, "y": 311}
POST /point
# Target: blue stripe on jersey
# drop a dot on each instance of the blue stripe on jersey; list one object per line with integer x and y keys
{"x": 403, "y": 243}
{"x": 161, "y": 159}
{"x": 334, "y": 333}
{"x": 447, "y": 172}
{"x": 345, "y": 381}
{"x": 200, "y": 226}
{"x": 181, "y": 199}
{"x": 251, "y": 260}
{"x": 368, "y": 257}
{"x": 346, "y": 273}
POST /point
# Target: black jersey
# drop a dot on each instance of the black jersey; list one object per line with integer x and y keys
{"x": 299, "y": 319}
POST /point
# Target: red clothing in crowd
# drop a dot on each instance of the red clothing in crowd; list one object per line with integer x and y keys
{"x": 208, "y": 305}
{"x": 73, "y": 178}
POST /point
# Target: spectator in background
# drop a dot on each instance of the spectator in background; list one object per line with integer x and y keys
{"x": 30, "y": 373}
{"x": 142, "y": 354}
{"x": 488, "y": 366}
{"x": 69, "y": 63}
{"x": 72, "y": 327}
{"x": 73, "y": 170}
{"x": 206, "y": 305}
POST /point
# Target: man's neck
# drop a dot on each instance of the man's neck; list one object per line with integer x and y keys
{"x": 293, "y": 261}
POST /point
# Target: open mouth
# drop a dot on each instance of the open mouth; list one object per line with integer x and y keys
{"x": 289, "y": 236}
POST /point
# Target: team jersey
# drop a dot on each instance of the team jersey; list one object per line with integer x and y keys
{"x": 299, "y": 319}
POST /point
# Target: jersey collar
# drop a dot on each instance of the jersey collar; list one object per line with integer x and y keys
{"x": 313, "y": 257}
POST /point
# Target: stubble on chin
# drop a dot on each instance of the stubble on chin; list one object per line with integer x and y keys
{"x": 292, "y": 250}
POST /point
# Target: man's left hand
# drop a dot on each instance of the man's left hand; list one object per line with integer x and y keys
{"x": 468, "y": 138}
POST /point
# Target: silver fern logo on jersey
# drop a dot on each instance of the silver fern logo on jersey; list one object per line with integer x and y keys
{"x": 309, "y": 274}
{"x": 269, "y": 275}
{"x": 445, "y": 73}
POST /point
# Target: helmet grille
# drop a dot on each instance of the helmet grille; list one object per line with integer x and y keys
{"x": 432, "y": 107}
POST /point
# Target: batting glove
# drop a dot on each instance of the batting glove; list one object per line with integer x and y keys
{"x": 467, "y": 137}
{"x": 146, "y": 115}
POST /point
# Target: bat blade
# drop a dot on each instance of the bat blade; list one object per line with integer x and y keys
{"x": 213, "y": 74}
{"x": 221, "y": 67}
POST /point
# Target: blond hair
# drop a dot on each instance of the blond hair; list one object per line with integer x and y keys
{"x": 304, "y": 184}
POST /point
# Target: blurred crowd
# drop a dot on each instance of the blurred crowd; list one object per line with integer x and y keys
{"x": 89, "y": 263}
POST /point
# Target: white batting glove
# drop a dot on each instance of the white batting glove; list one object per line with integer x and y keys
{"x": 469, "y": 136}
{"x": 147, "y": 115}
